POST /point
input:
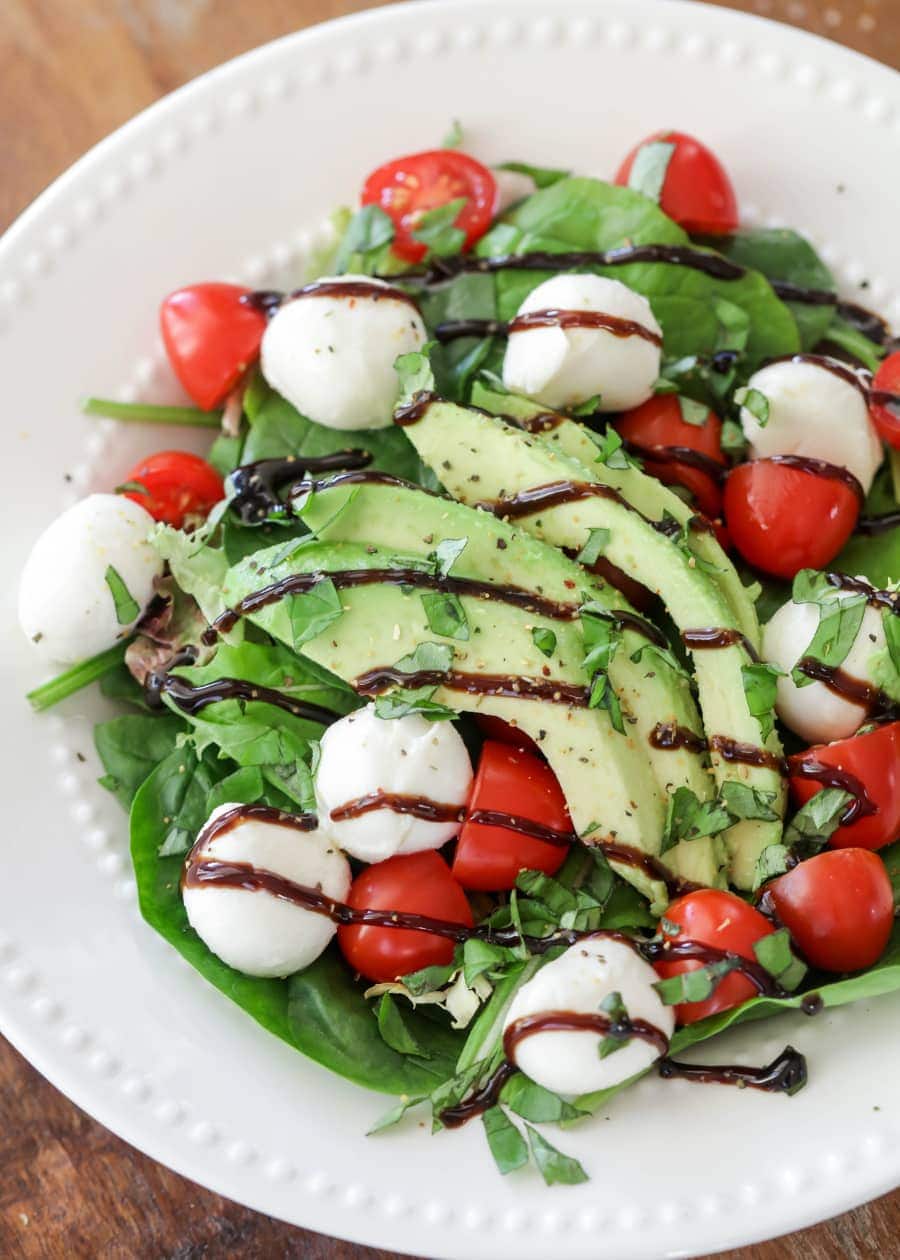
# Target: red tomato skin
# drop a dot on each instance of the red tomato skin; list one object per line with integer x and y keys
{"x": 839, "y": 908}
{"x": 697, "y": 192}
{"x": 489, "y": 858}
{"x": 501, "y": 732}
{"x": 416, "y": 883}
{"x": 211, "y": 338}
{"x": 658, "y": 422}
{"x": 784, "y": 519}
{"x": 406, "y": 187}
{"x": 179, "y": 484}
{"x": 713, "y": 917}
{"x": 874, "y": 759}
{"x": 887, "y": 378}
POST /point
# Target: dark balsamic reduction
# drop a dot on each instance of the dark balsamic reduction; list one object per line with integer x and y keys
{"x": 627, "y": 855}
{"x": 256, "y": 485}
{"x": 354, "y": 289}
{"x": 414, "y": 410}
{"x": 524, "y": 826}
{"x": 862, "y": 804}
{"x": 544, "y": 422}
{"x": 679, "y": 455}
{"x": 452, "y": 329}
{"x": 193, "y": 699}
{"x": 812, "y": 1004}
{"x": 819, "y": 468}
{"x": 671, "y": 735}
{"x": 887, "y": 399}
{"x": 877, "y": 703}
{"x": 878, "y": 524}
{"x": 859, "y": 586}
{"x": 557, "y": 318}
{"x": 400, "y": 803}
{"x": 734, "y": 751}
{"x": 582, "y": 1021}
{"x": 784, "y": 1075}
{"x": 718, "y": 637}
{"x": 375, "y": 681}
{"x": 554, "y": 494}
{"x": 481, "y": 1100}
{"x": 834, "y": 366}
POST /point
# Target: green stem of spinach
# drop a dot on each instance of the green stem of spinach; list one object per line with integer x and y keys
{"x": 74, "y": 679}
{"x": 150, "y": 413}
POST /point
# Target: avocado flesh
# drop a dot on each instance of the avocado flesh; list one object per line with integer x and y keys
{"x": 603, "y": 774}
{"x": 643, "y": 492}
{"x": 507, "y": 462}
{"x": 404, "y": 518}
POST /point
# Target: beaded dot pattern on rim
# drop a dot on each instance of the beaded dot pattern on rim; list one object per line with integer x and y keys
{"x": 199, "y": 1139}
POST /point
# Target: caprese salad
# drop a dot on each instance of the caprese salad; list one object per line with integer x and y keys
{"x": 511, "y": 698}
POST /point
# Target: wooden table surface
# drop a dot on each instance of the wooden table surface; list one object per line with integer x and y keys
{"x": 72, "y": 70}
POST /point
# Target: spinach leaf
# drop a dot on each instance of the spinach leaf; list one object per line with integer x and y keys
{"x": 320, "y": 1011}
{"x": 130, "y": 747}
{"x": 586, "y": 214}
{"x": 875, "y": 556}
{"x": 469, "y": 296}
{"x": 368, "y": 232}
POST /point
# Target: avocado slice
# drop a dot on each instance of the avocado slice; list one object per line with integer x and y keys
{"x": 458, "y": 443}
{"x": 604, "y": 774}
{"x": 401, "y": 517}
{"x": 642, "y": 491}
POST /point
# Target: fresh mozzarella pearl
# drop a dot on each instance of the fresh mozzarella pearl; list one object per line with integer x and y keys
{"x": 408, "y": 756}
{"x": 255, "y": 931}
{"x": 512, "y": 187}
{"x": 333, "y": 357}
{"x": 65, "y": 602}
{"x": 562, "y": 367}
{"x": 579, "y": 980}
{"x": 813, "y": 412}
{"x": 815, "y": 713}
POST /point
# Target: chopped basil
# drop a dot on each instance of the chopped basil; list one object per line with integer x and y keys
{"x": 610, "y": 450}
{"x": 445, "y": 615}
{"x": 694, "y": 986}
{"x": 395, "y": 1114}
{"x": 454, "y": 137}
{"x": 840, "y": 618}
{"x": 446, "y": 553}
{"x": 429, "y": 658}
{"x": 506, "y": 1143}
{"x": 437, "y": 228}
{"x": 648, "y": 171}
{"x": 132, "y": 487}
{"x": 664, "y": 656}
{"x": 743, "y": 801}
{"x": 429, "y": 979}
{"x": 760, "y": 681}
{"x": 774, "y": 860}
{"x": 590, "y": 553}
{"x": 314, "y": 611}
{"x": 127, "y": 607}
{"x": 613, "y": 1006}
{"x": 393, "y": 1030}
{"x": 588, "y": 407}
{"x": 415, "y": 373}
{"x": 755, "y": 402}
{"x": 774, "y": 953}
{"x": 601, "y": 635}
{"x": 813, "y": 826}
{"x": 433, "y": 657}
{"x": 369, "y": 230}
{"x": 891, "y": 623}
{"x": 544, "y": 640}
{"x": 668, "y": 927}
{"x": 481, "y": 958}
{"x": 556, "y": 1169}
{"x": 734, "y": 325}
{"x": 543, "y": 176}
{"x": 693, "y": 412}
{"x": 533, "y": 1102}
{"x": 603, "y": 697}
{"x": 733, "y": 441}
{"x": 689, "y": 818}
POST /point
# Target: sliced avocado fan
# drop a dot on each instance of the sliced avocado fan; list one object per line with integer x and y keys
{"x": 375, "y": 634}
{"x": 561, "y": 501}
{"x": 404, "y": 518}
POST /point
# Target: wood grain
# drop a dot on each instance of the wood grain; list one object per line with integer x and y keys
{"x": 72, "y": 70}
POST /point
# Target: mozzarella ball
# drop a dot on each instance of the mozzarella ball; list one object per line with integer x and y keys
{"x": 814, "y": 712}
{"x": 816, "y": 413}
{"x": 579, "y": 980}
{"x": 563, "y": 367}
{"x": 409, "y": 756}
{"x": 512, "y": 187}
{"x": 333, "y": 356}
{"x": 66, "y": 604}
{"x": 254, "y": 931}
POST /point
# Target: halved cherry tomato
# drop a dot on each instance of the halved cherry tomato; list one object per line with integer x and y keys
{"x": 696, "y": 191}
{"x": 886, "y": 415}
{"x": 416, "y": 883}
{"x": 784, "y": 519}
{"x": 211, "y": 338}
{"x": 505, "y": 733}
{"x": 407, "y": 187}
{"x": 178, "y": 484}
{"x": 874, "y": 760}
{"x": 659, "y": 423}
{"x": 712, "y": 917}
{"x": 490, "y": 856}
{"x": 838, "y": 907}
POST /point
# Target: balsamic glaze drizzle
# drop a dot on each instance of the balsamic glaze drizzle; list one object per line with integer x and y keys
{"x": 192, "y": 699}
{"x": 819, "y": 468}
{"x": 784, "y": 1075}
{"x": 718, "y": 637}
{"x": 256, "y": 485}
{"x": 401, "y": 803}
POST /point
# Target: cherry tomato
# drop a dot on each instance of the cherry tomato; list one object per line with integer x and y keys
{"x": 696, "y": 191}
{"x": 177, "y": 484}
{"x": 711, "y": 917}
{"x": 211, "y": 338}
{"x": 886, "y": 416}
{"x": 873, "y": 759}
{"x": 659, "y": 422}
{"x": 408, "y": 187}
{"x": 416, "y": 883}
{"x": 838, "y": 907}
{"x": 784, "y": 519}
{"x": 505, "y": 733}
{"x": 489, "y": 857}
